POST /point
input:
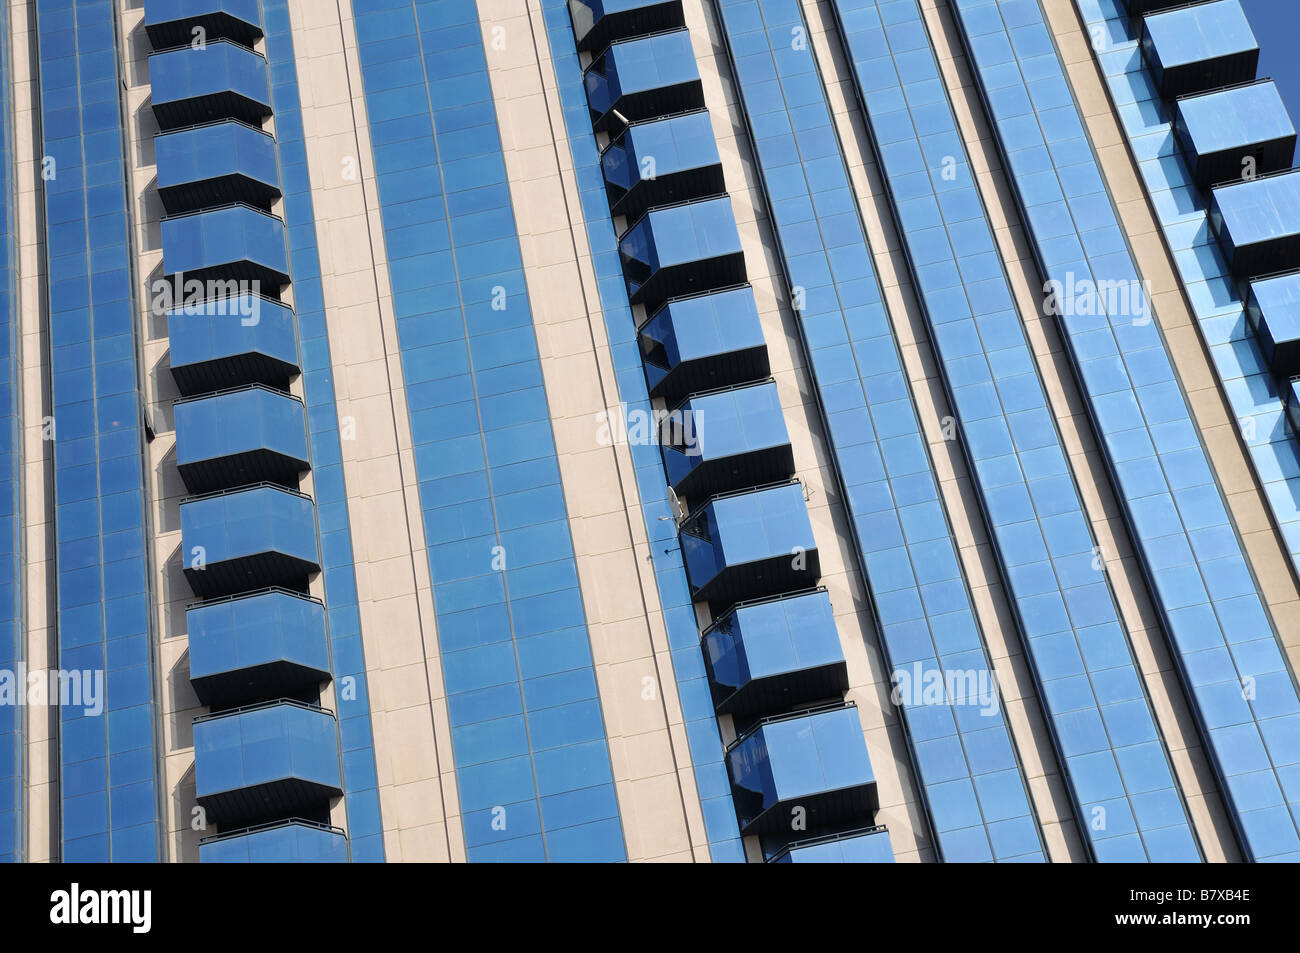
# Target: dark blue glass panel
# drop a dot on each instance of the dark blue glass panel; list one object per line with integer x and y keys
{"x": 253, "y": 764}
{"x": 265, "y": 645}
{"x": 248, "y": 539}
{"x": 703, "y": 342}
{"x": 235, "y": 242}
{"x": 775, "y": 654}
{"x": 804, "y": 772}
{"x": 683, "y": 249}
{"x": 597, "y": 23}
{"x": 662, "y": 163}
{"x": 172, "y": 22}
{"x": 214, "y": 164}
{"x": 726, "y": 440}
{"x": 643, "y": 79}
{"x": 232, "y": 438}
{"x": 220, "y": 80}
{"x": 495, "y": 518}
{"x": 105, "y": 604}
{"x": 230, "y": 342}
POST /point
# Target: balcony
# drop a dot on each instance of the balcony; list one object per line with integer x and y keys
{"x": 221, "y": 80}
{"x": 664, "y": 162}
{"x": 247, "y": 539}
{"x": 598, "y": 23}
{"x": 211, "y": 165}
{"x": 237, "y": 437}
{"x": 643, "y": 79}
{"x": 173, "y": 22}
{"x": 266, "y": 762}
{"x": 1291, "y": 393}
{"x": 1273, "y": 308}
{"x": 868, "y": 846}
{"x": 816, "y": 761}
{"x": 703, "y": 342}
{"x": 1227, "y": 133}
{"x": 775, "y": 655}
{"x": 1196, "y": 48}
{"x": 726, "y": 440}
{"x": 1258, "y": 224}
{"x": 230, "y": 243}
{"x": 680, "y": 250}
{"x": 750, "y": 545}
{"x": 282, "y": 842}
{"x": 229, "y": 342}
{"x": 269, "y": 644}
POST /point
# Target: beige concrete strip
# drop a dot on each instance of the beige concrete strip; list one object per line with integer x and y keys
{"x": 409, "y": 719}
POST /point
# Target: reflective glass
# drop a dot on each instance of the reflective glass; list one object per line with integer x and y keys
{"x": 1058, "y": 588}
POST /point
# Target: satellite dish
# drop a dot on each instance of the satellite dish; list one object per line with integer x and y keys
{"x": 675, "y": 503}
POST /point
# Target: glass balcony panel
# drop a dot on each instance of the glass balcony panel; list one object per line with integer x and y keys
{"x": 221, "y": 80}
{"x": 273, "y": 761}
{"x": 1273, "y": 308}
{"x": 231, "y": 439}
{"x": 643, "y": 79}
{"x": 679, "y": 250}
{"x": 750, "y": 545}
{"x": 291, "y": 842}
{"x": 597, "y": 23}
{"x": 870, "y": 846}
{"x": 229, "y": 342}
{"x": 232, "y": 243}
{"x": 775, "y": 655}
{"x": 664, "y": 162}
{"x": 1201, "y": 47}
{"x": 270, "y": 644}
{"x": 1258, "y": 224}
{"x": 1292, "y": 392}
{"x": 248, "y": 539}
{"x": 816, "y": 761}
{"x": 212, "y": 165}
{"x": 173, "y": 22}
{"x": 726, "y": 440}
{"x": 703, "y": 342}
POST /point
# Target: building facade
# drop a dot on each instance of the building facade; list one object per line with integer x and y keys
{"x": 647, "y": 430}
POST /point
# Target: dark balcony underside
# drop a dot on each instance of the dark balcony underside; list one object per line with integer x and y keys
{"x": 278, "y": 679}
{"x": 825, "y": 811}
{"x": 287, "y": 797}
{"x": 737, "y": 472}
{"x": 217, "y": 25}
{"x": 258, "y": 571}
{"x": 241, "y": 469}
{"x": 233, "y": 371}
{"x": 210, "y": 108}
{"x": 784, "y": 692}
{"x": 206, "y": 193}
{"x": 759, "y": 579}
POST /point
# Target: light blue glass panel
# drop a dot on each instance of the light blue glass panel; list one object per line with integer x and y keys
{"x": 234, "y": 242}
{"x": 265, "y": 744}
{"x": 1211, "y": 609}
{"x": 923, "y": 608}
{"x": 527, "y": 732}
{"x": 1273, "y": 308}
{"x": 1103, "y": 726}
{"x": 1244, "y": 130}
{"x": 1200, "y": 46}
{"x": 295, "y": 842}
{"x": 1256, "y": 398}
{"x": 642, "y": 79}
{"x": 867, "y": 847}
{"x": 216, "y": 81}
{"x": 1258, "y": 224}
